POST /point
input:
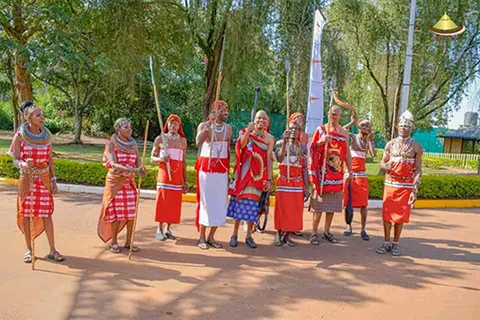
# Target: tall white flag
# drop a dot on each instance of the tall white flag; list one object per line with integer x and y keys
{"x": 315, "y": 86}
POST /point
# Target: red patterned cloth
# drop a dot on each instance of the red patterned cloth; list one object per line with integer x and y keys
{"x": 42, "y": 198}
{"x": 336, "y": 153}
{"x": 122, "y": 207}
{"x": 252, "y": 184}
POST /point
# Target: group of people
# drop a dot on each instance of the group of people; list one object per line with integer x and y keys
{"x": 320, "y": 165}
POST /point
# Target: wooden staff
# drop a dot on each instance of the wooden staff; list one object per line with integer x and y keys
{"x": 287, "y": 70}
{"x": 217, "y": 96}
{"x": 32, "y": 226}
{"x": 157, "y": 104}
{"x": 138, "y": 191}
{"x": 324, "y": 164}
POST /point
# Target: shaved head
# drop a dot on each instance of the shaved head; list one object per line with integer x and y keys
{"x": 261, "y": 113}
{"x": 336, "y": 109}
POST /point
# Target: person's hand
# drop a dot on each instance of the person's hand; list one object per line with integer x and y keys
{"x": 185, "y": 187}
{"x": 413, "y": 197}
{"x": 286, "y": 134}
{"x": 348, "y": 179}
{"x": 354, "y": 118}
{"x": 268, "y": 186}
{"x": 142, "y": 171}
{"x": 306, "y": 194}
{"x": 251, "y": 126}
{"x": 28, "y": 164}
{"x": 54, "y": 187}
{"x": 324, "y": 139}
{"x": 164, "y": 156}
{"x": 370, "y": 136}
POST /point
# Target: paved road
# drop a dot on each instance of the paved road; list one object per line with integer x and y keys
{"x": 437, "y": 278}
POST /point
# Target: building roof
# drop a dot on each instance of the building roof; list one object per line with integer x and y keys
{"x": 469, "y": 133}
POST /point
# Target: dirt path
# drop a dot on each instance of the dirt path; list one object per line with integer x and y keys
{"x": 438, "y": 278}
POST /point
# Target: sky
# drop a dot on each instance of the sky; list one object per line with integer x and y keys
{"x": 471, "y": 102}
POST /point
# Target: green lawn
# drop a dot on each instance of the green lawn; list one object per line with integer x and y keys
{"x": 93, "y": 152}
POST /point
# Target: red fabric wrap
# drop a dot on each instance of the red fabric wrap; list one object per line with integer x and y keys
{"x": 336, "y": 152}
{"x": 256, "y": 152}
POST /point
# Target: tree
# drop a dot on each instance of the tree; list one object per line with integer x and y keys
{"x": 375, "y": 42}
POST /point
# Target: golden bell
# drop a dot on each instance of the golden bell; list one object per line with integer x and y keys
{"x": 446, "y": 27}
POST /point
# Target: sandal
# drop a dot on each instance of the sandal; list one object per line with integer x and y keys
{"x": 56, "y": 256}
{"x": 314, "y": 240}
{"x": 289, "y": 241}
{"x": 115, "y": 248}
{"x": 134, "y": 248}
{"x": 396, "y": 250}
{"x": 250, "y": 242}
{"x": 27, "y": 257}
{"x": 233, "y": 241}
{"x": 170, "y": 235}
{"x": 348, "y": 232}
{"x": 202, "y": 245}
{"x": 383, "y": 249}
{"x": 364, "y": 235}
{"x": 277, "y": 242}
{"x": 298, "y": 233}
{"x": 215, "y": 244}
{"x": 329, "y": 237}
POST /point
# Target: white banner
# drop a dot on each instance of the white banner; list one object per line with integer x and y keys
{"x": 315, "y": 87}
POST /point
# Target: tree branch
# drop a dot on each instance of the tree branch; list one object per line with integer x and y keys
{"x": 450, "y": 96}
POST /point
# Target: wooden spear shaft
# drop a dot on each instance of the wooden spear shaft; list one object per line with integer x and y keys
{"x": 157, "y": 104}
{"x": 217, "y": 97}
{"x": 32, "y": 226}
{"x": 138, "y": 191}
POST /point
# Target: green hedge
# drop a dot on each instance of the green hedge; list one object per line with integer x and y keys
{"x": 432, "y": 187}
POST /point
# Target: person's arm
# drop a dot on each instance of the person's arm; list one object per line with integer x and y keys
{"x": 418, "y": 166}
{"x": 184, "y": 166}
{"x": 271, "y": 143}
{"x": 53, "y": 178}
{"x": 305, "y": 171}
{"x": 371, "y": 147}
{"x": 112, "y": 158}
{"x": 280, "y": 150}
{"x": 157, "y": 157}
{"x": 385, "y": 163}
{"x": 17, "y": 162}
{"x": 246, "y": 135}
{"x": 203, "y": 132}
{"x": 353, "y": 120}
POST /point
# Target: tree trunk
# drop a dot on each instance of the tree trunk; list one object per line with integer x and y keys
{"x": 23, "y": 81}
{"x": 13, "y": 94}
{"x": 211, "y": 86}
{"x": 78, "y": 125}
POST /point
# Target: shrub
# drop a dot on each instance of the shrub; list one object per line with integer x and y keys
{"x": 432, "y": 187}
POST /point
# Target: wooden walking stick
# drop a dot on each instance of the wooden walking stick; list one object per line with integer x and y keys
{"x": 217, "y": 96}
{"x": 32, "y": 226}
{"x": 287, "y": 69}
{"x": 157, "y": 104}
{"x": 138, "y": 191}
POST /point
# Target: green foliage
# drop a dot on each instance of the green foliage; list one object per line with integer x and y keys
{"x": 6, "y": 117}
{"x": 436, "y": 163}
{"x": 432, "y": 187}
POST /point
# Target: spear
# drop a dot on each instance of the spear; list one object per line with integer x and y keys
{"x": 254, "y": 110}
{"x": 287, "y": 70}
{"x": 217, "y": 96}
{"x": 32, "y": 228}
{"x": 157, "y": 104}
{"x": 138, "y": 191}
